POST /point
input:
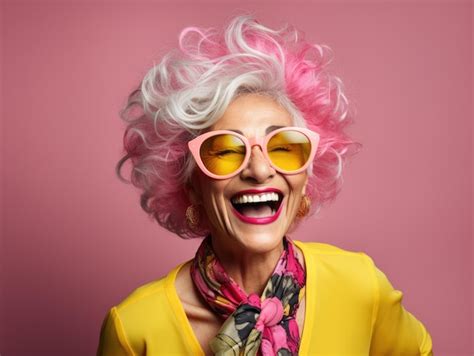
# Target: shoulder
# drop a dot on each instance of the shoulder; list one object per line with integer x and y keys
{"x": 338, "y": 254}
{"x": 141, "y": 296}
{"x": 149, "y": 308}
{"x": 321, "y": 247}
{"x": 342, "y": 262}
{"x": 350, "y": 270}
{"x": 332, "y": 265}
{"x": 150, "y": 296}
{"x": 145, "y": 313}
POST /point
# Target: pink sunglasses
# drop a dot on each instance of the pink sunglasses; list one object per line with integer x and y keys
{"x": 223, "y": 154}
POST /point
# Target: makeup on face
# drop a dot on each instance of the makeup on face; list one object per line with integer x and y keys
{"x": 253, "y": 172}
{"x": 257, "y": 206}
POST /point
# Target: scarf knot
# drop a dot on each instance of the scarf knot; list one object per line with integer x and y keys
{"x": 271, "y": 313}
{"x": 254, "y": 325}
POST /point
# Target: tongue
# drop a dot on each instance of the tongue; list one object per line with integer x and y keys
{"x": 257, "y": 211}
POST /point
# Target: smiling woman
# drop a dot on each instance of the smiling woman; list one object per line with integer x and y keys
{"x": 239, "y": 136}
{"x": 250, "y": 226}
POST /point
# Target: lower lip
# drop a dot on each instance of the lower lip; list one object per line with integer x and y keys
{"x": 258, "y": 221}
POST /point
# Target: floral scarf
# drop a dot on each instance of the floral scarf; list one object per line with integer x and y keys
{"x": 254, "y": 325}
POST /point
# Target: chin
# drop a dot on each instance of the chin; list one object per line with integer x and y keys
{"x": 252, "y": 234}
{"x": 260, "y": 240}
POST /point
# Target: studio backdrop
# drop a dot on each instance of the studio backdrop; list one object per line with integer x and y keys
{"x": 74, "y": 239}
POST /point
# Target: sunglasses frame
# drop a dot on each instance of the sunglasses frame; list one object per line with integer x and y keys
{"x": 195, "y": 146}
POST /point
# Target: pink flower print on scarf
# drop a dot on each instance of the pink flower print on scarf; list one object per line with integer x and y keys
{"x": 253, "y": 325}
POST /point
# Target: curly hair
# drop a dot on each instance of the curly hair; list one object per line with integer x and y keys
{"x": 190, "y": 89}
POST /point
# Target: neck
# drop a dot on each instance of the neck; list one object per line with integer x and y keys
{"x": 251, "y": 270}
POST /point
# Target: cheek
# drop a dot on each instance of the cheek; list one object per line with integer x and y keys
{"x": 298, "y": 182}
{"x": 212, "y": 192}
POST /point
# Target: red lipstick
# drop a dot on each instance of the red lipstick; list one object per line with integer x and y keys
{"x": 259, "y": 220}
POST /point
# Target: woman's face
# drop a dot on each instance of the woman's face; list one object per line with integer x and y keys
{"x": 254, "y": 228}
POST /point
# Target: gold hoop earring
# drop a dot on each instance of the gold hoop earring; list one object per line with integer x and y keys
{"x": 192, "y": 216}
{"x": 305, "y": 206}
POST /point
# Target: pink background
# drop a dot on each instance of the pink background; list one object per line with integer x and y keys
{"x": 74, "y": 239}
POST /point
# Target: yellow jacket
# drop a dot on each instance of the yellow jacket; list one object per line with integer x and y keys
{"x": 351, "y": 309}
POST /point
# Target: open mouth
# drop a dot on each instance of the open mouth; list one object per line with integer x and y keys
{"x": 255, "y": 205}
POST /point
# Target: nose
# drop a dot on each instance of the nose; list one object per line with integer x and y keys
{"x": 258, "y": 168}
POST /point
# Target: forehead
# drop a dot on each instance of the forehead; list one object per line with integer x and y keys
{"x": 252, "y": 114}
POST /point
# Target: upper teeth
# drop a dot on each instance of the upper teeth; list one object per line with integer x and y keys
{"x": 255, "y": 198}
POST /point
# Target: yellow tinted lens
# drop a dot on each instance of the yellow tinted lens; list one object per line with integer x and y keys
{"x": 222, "y": 154}
{"x": 289, "y": 150}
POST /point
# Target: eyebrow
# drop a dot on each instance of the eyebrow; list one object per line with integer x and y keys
{"x": 238, "y": 131}
{"x": 272, "y": 128}
{"x": 268, "y": 129}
